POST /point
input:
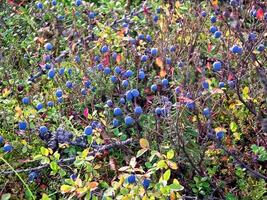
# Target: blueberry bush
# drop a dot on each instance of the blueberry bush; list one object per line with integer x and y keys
{"x": 120, "y": 99}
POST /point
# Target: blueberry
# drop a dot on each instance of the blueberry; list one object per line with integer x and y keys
{"x": 104, "y": 49}
{"x": 154, "y": 88}
{"x": 206, "y": 112}
{"x": 128, "y": 120}
{"x": 138, "y": 110}
{"x": 141, "y": 37}
{"x": 141, "y": 75}
{"x": 231, "y": 83}
{"x": 177, "y": 90}
{"x": 47, "y": 66}
{"x": 39, "y": 5}
{"x": 78, "y": 2}
{"x": 217, "y": 66}
{"x": 129, "y": 95}
{"x": 117, "y": 111}
{"x": 59, "y": 93}
{"x": 100, "y": 66}
{"x": 261, "y": 48}
{"x": 146, "y": 183}
{"x": 39, "y": 106}
{"x": 172, "y": 48}
{"x": 32, "y": 176}
{"x": 165, "y": 82}
{"x": 114, "y": 79}
{"x": 73, "y": 177}
{"x": 168, "y": 61}
{"x": 22, "y": 125}
{"x": 69, "y": 71}
{"x": 155, "y": 18}
{"x": 48, "y": 46}
{"x": 115, "y": 122}
{"x": 1, "y": 140}
{"x": 234, "y": 3}
{"x": 252, "y": 37}
{"x": 50, "y": 103}
{"x": 125, "y": 83}
{"x": 87, "y": 83}
{"x": 213, "y": 29}
{"x": 60, "y": 100}
{"x": 83, "y": 91}
{"x": 180, "y": 64}
{"x": 205, "y": 85}
{"x": 129, "y": 73}
{"x": 236, "y": 49}
{"x": 122, "y": 101}
{"x": 109, "y": 103}
{"x": 203, "y": 14}
{"x": 220, "y": 135}
{"x": 217, "y": 34}
{"x": 77, "y": 59}
{"x": 213, "y": 19}
{"x": 131, "y": 179}
{"x": 135, "y": 93}
{"x": 69, "y": 84}
{"x": 88, "y": 130}
{"x": 154, "y": 51}
{"x": 26, "y": 100}
{"x": 144, "y": 58}
{"x": 114, "y": 55}
{"x": 43, "y": 130}
{"x": 51, "y": 73}
{"x": 7, "y": 148}
{"x": 158, "y": 10}
{"x": 97, "y": 58}
{"x": 191, "y": 105}
{"x": 61, "y": 71}
{"x": 221, "y": 85}
{"x": 107, "y": 70}
{"x": 125, "y": 25}
{"x": 158, "y": 111}
{"x": 148, "y": 38}
{"x": 54, "y": 2}
{"x": 117, "y": 70}
{"x": 91, "y": 15}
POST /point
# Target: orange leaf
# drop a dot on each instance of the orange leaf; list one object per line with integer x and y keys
{"x": 214, "y": 2}
{"x": 118, "y": 58}
{"x": 162, "y": 73}
{"x": 144, "y": 143}
{"x": 92, "y": 185}
{"x": 159, "y": 62}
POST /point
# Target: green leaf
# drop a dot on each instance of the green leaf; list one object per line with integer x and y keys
{"x": 6, "y": 196}
{"x": 176, "y": 187}
{"x": 54, "y": 166}
{"x": 167, "y": 175}
{"x": 44, "y": 151}
{"x": 66, "y": 189}
{"x": 170, "y": 154}
{"x": 161, "y": 164}
{"x": 141, "y": 152}
{"x": 233, "y": 127}
{"x": 45, "y": 197}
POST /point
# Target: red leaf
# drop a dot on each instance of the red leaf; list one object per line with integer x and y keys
{"x": 209, "y": 48}
{"x": 230, "y": 77}
{"x": 106, "y": 59}
{"x": 260, "y": 14}
{"x": 86, "y": 112}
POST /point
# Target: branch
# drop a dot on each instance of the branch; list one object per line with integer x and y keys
{"x": 118, "y": 144}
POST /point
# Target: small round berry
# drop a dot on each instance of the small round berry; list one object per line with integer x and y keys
{"x": 54, "y": 2}
{"x": 154, "y": 51}
{"x": 117, "y": 70}
{"x": 146, "y": 183}
{"x": 88, "y": 130}
{"x": 252, "y": 37}
{"x": 50, "y": 103}
{"x": 43, "y": 130}
{"x": 191, "y": 105}
{"x": 78, "y": 2}
{"x": 158, "y": 111}
{"x": 84, "y": 91}
{"x": 148, "y": 38}
{"x": 91, "y": 15}
{"x": 39, "y": 5}
{"x": 114, "y": 79}
{"x": 213, "y": 29}
{"x": 22, "y": 125}
{"x": 7, "y": 148}
{"x": 1, "y": 140}
{"x": 104, "y": 49}
{"x": 129, "y": 95}
{"x": 154, "y": 88}
{"x": 109, "y": 103}
{"x": 144, "y": 58}
{"x": 217, "y": 66}
{"x": 141, "y": 37}
{"x": 32, "y": 176}
{"x": 59, "y": 93}
{"x": 138, "y": 110}
{"x": 60, "y": 100}
{"x": 168, "y": 61}
{"x": 122, "y": 101}
{"x": 51, "y": 73}
{"x": 206, "y": 112}
{"x": 141, "y": 75}
{"x": 165, "y": 82}
{"x": 220, "y": 135}
{"x": 213, "y": 19}
{"x": 125, "y": 83}
{"x": 128, "y": 120}
{"x": 221, "y": 85}
{"x": 231, "y": 83}
{"x": 61, "y": 71}
{"x": 26, "y": 100}
{"x": 117, "y": 111}
{"x": 69, "y": 84}
{"x": 217, "y": 34}
{"x": 48, "y": 46}
{"x": 73, "y": 177}
{"x": 135, "y": 92}
{"x": 107, "y": 70}
{"x": 236, "y": 49}
{"x": 172, "y": 49}
{"x": 97, "y": 58}
{"x": 205, "y": 85}
{"x": 100, "y": 66}
{"x": 203, "y": 14}
{"x": 87, "y": 83}
{"x": 155, "y": 18}
{"x": 177, "y": 90}
{"x": 261, "y": 48}
{"x": 129, "y": 73}
{"x": 39, "y": 106}
{"x": 115, "y": 122}
{"x": 131, "y": 179}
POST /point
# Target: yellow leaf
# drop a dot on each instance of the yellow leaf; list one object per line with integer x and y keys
{"x": 177, "y": 4}
{"x": 159, "y": 62}
{"x": 144, "y": 143}
{"x": 170, "y": 154}
{"x": 6, "y": 92}
{"x": 66, "y": 189}
{"x": 172, "y": 165}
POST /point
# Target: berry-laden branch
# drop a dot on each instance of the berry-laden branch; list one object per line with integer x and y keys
{"x": 72, "y": 159}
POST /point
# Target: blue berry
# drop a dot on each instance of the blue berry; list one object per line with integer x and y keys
{"x": 203, "y": 14}
{"x": 213, "y": 19}
{"x": 83, "y": 91}
{"x": 48, "y": 46}
{"x": 172, "y": 49}
{"x": 177, "y": 90}
{"x": 217, "y": 66}
{"x": 91, "y": 15}
{"x": 32, "y": 176}
{"x": 168, "y": 61}
{"x": 154, "y": 51}
{"x": 109, "y": 103}
{"x": 141, "y": 37}
{"x": 191, "y": 105}
{"x": 138, "y": 110}
{"x": 217, "y": 34}
{"x": 70, "y": 71}
{"x": 148, "y": 38}
{"x": 7, "y": 148}
{"x": 39, "y": 5}
{"x": 115, "y": 122}
{"x": 141, "y": 75}
{"x": 117, "y": 111}
{"x": 47, "y": 66}
{"x": 125, "y": 83}
{"x": 220, "y": 135}
{"x": 154, "y": 88}
{"x": 252, "y": 37}
{"x": 107, "y": 70}
{"x": 97, "y": 58}
{"x": 51, "y": 73}
{"x": 113, "y": 79}
{"x": 128, "y": 120}
{"x": 129, "y": 96}
{"x": 104, "y": 49}
{"x": 87, "y": 83}
{"x": 69, "y": 84}
{"x": 155, "y": 18}
{"x": 213, "y": 29}
{"x": 165, "y": 82}
{"x": 43, "y": 130}
{"x": 158, "y": 111}
{"x": 117, "y": 70}
{"x": 39, "y": 106}
{"x": 221, "y": 85}
{"x": 146, "y": 183}
{"x": 59, "y": 93}
{"x": 77, "y": 59}
{"x": 1, "y": 140}
{"x": 114, "y": 55}
{"x": 60, "y": 100}
{"x": 231, "y": 84}
{"x": 144, "y": 58}
{"x": 135, "y": 92}
{"x": 236, "y": 49}
{"x": 61, "y": 71}
{"x": 261, "y": 48}
{"x": 78, "y": 2}
{"x": 73, "y": 177}
{"x": 88, "y": 130}
{"x": 26, "y": 100}
{"x": 22, "y": 125}
{"x": 206, "y": 112}
{"x": 205, "y": 85}
{"x": 131, "y": 179}
{"x": 54, "y": 2}
{"x": 50, "y": 103}
{"x": 100, "y": 66}
{"x": 128, "y": 73}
